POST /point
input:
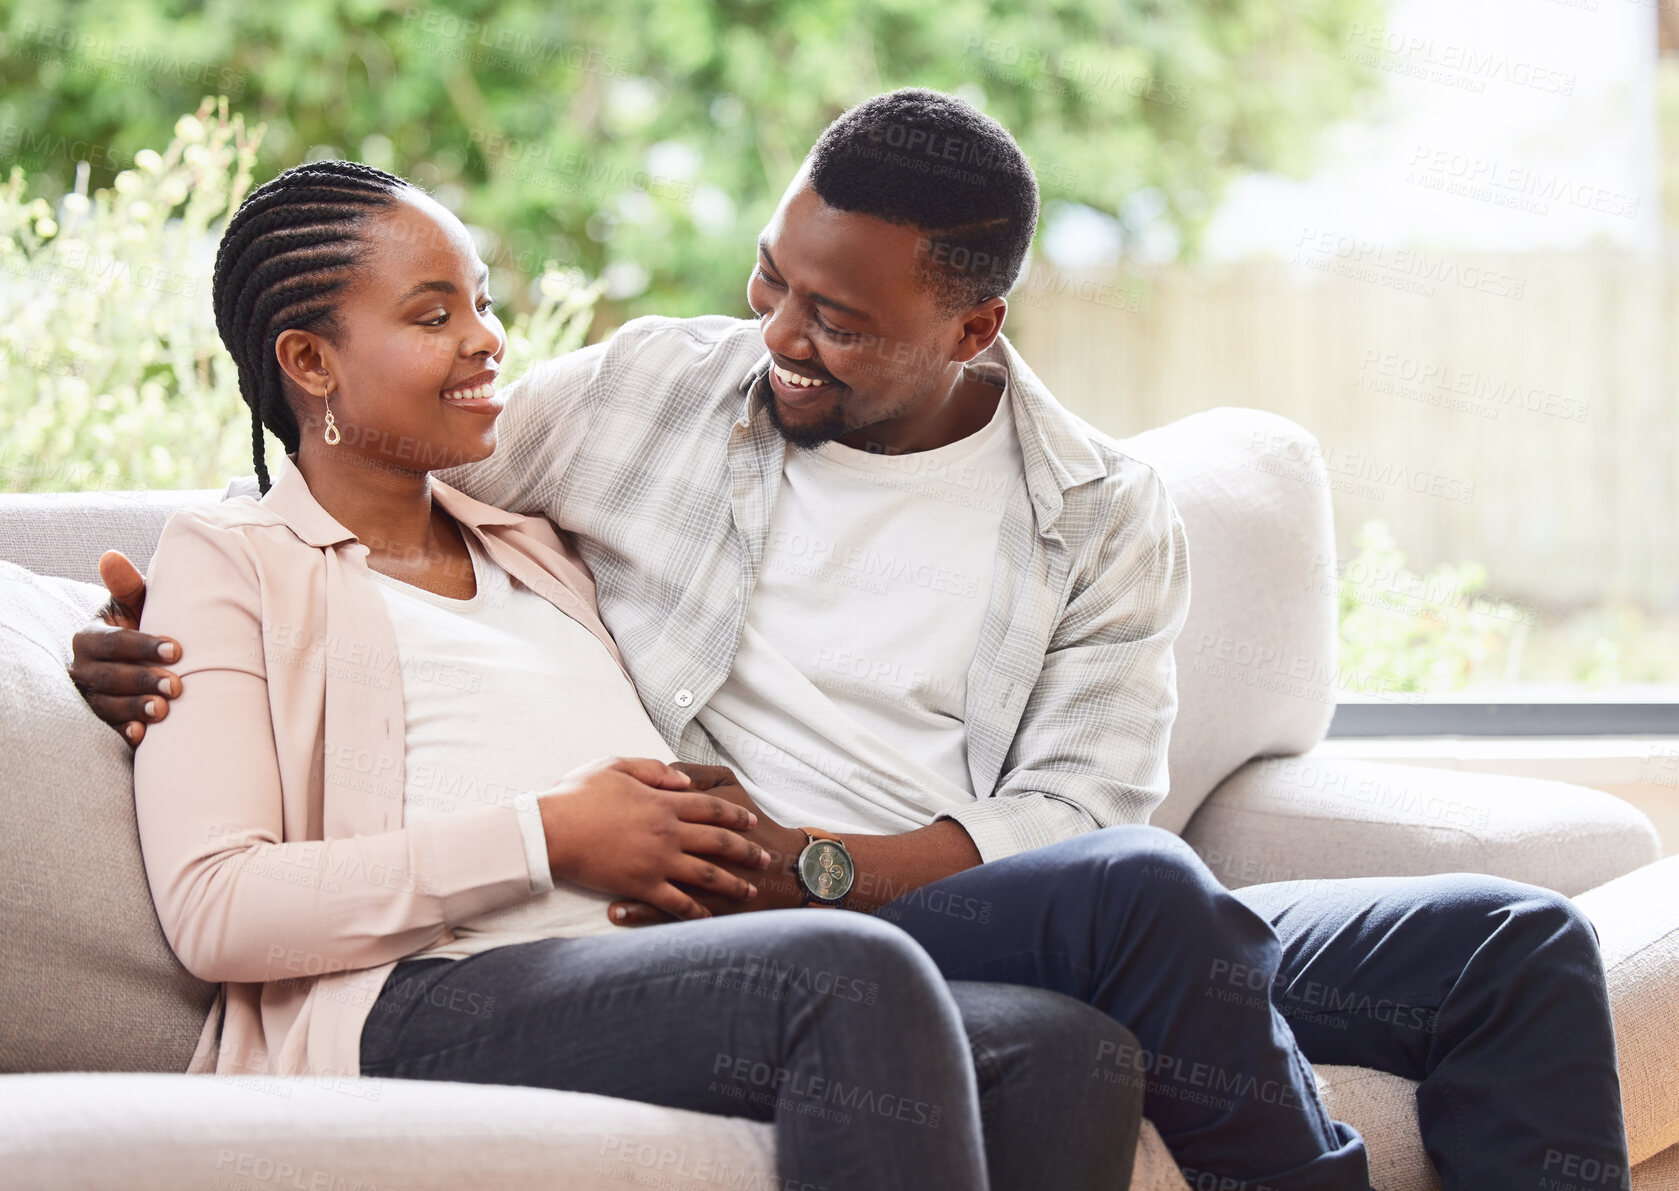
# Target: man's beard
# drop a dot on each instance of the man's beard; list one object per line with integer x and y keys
{"x": 808, "y": 437}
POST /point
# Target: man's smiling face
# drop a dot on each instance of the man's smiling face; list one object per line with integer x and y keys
{"x": 842, "y": 301}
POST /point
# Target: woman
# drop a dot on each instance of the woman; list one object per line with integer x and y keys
{"x": 406, "y": 772}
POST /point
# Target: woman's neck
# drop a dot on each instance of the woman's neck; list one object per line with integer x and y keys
{"x": 389, "y": 509}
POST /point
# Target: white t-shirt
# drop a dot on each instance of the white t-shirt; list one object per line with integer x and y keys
{"x": 845, "y": 704}
{"x": 503, "y": 694}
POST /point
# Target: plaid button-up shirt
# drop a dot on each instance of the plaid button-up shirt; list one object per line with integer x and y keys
{"x": 654, "y": 449}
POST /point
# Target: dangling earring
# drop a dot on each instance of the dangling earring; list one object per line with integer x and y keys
{"x": 332, "y": 435}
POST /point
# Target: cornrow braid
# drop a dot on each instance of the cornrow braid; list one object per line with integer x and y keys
{"x": 283, "y": 259}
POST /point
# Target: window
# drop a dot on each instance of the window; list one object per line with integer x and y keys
{"x": 1471, "y": 303}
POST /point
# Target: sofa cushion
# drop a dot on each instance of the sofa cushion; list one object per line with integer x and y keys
{"x": 83, "y": 1132}
{"x": 68, "y": 1132}
{"x": 186, "y": 1132}
{"x": 89, "y": 981}
{"x": 1383, "y": 1108}
{"x": 1256, "y": 658}
{"x": 1660, "y": 1173}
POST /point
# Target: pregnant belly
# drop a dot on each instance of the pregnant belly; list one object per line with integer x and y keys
{"x": 565, "y": 911}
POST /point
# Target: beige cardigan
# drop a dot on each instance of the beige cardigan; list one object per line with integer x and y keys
{"x": 270, "y": 798}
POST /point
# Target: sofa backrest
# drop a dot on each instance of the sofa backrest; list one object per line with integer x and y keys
{"x": 64, "y": 533}
{"x": 1256, "y": 659}
{"x": 89, "y": 976}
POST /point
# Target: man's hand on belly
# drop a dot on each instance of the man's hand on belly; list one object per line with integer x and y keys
{"x": 888, "y": 866}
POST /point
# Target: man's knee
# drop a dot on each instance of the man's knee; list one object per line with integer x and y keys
{"x": 1530, "y": 919}
{"x": 1557, "y": 921}
{"x": 1149, "y": 863}
{"x": 1133, "y": 849}
{"x": 1153, "y": 886}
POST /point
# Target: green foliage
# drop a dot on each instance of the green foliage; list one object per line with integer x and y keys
{"x": 1612, "y": 643}
{"x": 1401, "y": 631}
{"x": 112, "y": 375}
{"x": 648, "y": 140}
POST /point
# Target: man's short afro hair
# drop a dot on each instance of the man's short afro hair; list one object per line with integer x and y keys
{"x": 936, "y": 163}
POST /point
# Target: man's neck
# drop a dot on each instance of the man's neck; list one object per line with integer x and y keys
{"x": 968, "y": 408}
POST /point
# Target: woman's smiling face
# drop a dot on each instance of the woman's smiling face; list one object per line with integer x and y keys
{"x": 410, "y": 372}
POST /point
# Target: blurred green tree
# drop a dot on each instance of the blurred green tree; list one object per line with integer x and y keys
{"x": 645, "y": 141}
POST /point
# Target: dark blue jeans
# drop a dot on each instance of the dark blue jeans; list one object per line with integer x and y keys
{"x": 837, "y": 1027}
{"x": 1488, "y": 992}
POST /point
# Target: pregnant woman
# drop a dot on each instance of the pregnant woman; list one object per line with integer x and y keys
{"x": 406, "y": 773}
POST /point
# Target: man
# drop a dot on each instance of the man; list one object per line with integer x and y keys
{"x": 856, "y": 554}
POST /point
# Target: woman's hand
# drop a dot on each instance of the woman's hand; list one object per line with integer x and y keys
{"x": 777, "y": 889}
{"x": 632, "y": 826}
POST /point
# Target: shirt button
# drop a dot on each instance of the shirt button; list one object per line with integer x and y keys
{"x": 684, "y": 697}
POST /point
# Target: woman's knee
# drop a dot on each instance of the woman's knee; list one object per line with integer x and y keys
{"x": 1094, "y": 1050}
{"x": 1039, "y": 1034}
{"x": 861, "y": 958}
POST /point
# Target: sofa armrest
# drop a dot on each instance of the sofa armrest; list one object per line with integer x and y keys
{"x": 1637, "y": 921}
{"x": 1301, "y": 817}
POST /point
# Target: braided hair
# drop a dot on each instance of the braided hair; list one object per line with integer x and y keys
{"x": 283, "y": 259}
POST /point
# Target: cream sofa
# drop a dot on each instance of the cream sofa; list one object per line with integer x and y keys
{"x": 99, "y": 1019}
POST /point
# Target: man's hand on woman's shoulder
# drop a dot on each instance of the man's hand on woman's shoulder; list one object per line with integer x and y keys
{"x": 114, "y": 663}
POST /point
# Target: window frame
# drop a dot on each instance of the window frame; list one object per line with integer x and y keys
{"x": 1437, "y": 716}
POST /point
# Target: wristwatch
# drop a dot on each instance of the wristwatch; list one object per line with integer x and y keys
{"x": 823, "y": 869}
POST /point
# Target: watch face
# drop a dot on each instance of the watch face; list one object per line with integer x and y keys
{"x": 825, "y": 868}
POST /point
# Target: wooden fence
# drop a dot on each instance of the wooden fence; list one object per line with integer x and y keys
{"x": 1516, "y": 410}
